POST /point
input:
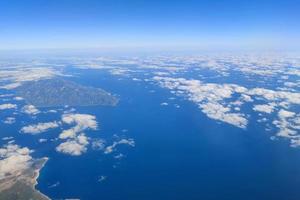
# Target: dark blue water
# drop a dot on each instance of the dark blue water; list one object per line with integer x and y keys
{"x": 179, "y": 154}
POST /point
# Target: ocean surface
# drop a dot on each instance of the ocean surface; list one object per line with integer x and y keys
{"x": 179, "y": 152}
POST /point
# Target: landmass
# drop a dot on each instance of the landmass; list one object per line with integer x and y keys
{"x": 21, "y": 185}
{"x": 59, "y": 92}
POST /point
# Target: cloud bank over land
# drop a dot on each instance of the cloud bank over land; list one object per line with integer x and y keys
{"x": 14, "y": 160}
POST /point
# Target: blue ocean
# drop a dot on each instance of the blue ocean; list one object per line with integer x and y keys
{"x": 179, "y": 152}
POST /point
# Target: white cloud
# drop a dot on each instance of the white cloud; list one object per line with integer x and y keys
{"x": 209, "y": 97}
{"x": 9, "y": 120}
{"x": 216, "y": 100}
{"x": 14, "y": 160}
{"x": 30, "y": 110}
{"x": 39, "y": 128}
{"x": 98, "y": 144}
{"x": 8, "y": 138}
{"x": 8, "y": 106}
{"x": 10, "y": 86}
{"x": 285, "y": 114}
{"x": 17, "y": 75}
{"x": 77, "y": 141}
{"x": 81, "y": 122}
{"x": 219, "y": 112}
{"x": 288, "y": 127}
{"x": 164, "y": 104}
{"x": 74, "y": 147}
{"x": 266, "y": 108}
{"x": 111, "y": 148}
{"x": 18, "y": 98}
{"x": 42, "y": 140}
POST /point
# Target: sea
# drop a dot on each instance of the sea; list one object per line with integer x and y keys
{"x": 179, "y": 153}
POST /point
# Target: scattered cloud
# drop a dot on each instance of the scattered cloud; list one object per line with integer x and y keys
{"x": 111, "y": 148}
{"x": 14, "y": 159}
{"x": 8, "y": 106}
{"x": 8, "y": 138}
{"x": 9, "y": 120}
{"x": 39, "y": 128}
{"x": 74, "y": 147}
{"x": 81, "y": 122}
{"x": 98, "y": 144}
{"x": 18, "y": 98}
{"x": 266, "y": 108}
{"x": 224, "y": 102}
{"x": 30, "y": 110}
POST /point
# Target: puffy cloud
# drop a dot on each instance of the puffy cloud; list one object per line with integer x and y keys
{"x": 98, "y": 144}
{"x": 74, "y": 147}
{"x": 42, "y": 140}
{"x": 219, "y": 112}
{"x": 209, "y": 97}
{"x": 30, "y": 110}
{"x": 17, "y": 75}
{"x": 164, "y": 104}
{"x": 285, "y": 114}
{"x": 223, "y": 102}
{"x": 14, "y": 160}
{"x": 289, "y": 126}
{"x": 10, "y": 86}
{"x": 7, "y": 138}
{"x": 111, "y": 148}
{"x": 18, "y": 98}
{"x": 77, "y": 141}
{"x": 271, "y": 95}
{"x": 39, "y": 128}
{"x": 9, "y": 120}
{"x": 81, "y": 122}
{"x": 266, "y": 108}
{"x": 8, "y": 106}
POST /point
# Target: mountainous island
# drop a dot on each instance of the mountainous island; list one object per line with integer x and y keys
{"x": 59, "y": 92}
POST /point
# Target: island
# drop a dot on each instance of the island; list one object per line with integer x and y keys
{"x": 21, "y": 185}
{"x": 57, "y": 92}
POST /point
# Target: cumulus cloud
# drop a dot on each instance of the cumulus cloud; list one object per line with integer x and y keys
{"x": 219, "y": 112}
{"x": 111, "y": 148}
{"x": 209, "y": 97}
{"x": 18, "y": 98}
{"x": 288, "y": 126}
{"x": 74, "y": 147}
{"x": 81, "y": 122}
{"x": 8, "y": 138}
{"x": 266, "y": 108}
{"x": 77, "y": 142}
{"x": 17, "y": 75}
{"x": 285, "y": 114}
{"x": 14, "y": 160}
{"x": 98, "y": 144}
{"x": 8, "y": 106}
{"x": 164, "y": 104}
{"x": 9, "y": 120}
{"x": 39, "y": 128}
{"x": 30, "y": 110}
{"x": 42, "y": 140}
{"x": 223, "y": 102}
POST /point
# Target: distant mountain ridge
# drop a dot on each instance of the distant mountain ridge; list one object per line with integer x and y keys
{"x": 59, "y": 92}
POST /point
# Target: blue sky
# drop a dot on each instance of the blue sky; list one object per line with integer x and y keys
{"x": 164, "y": 24}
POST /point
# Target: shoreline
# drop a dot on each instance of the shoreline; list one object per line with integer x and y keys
{"x": 37, "y": 174}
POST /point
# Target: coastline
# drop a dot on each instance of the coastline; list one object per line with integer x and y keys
{"x": 37, "y": 174}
